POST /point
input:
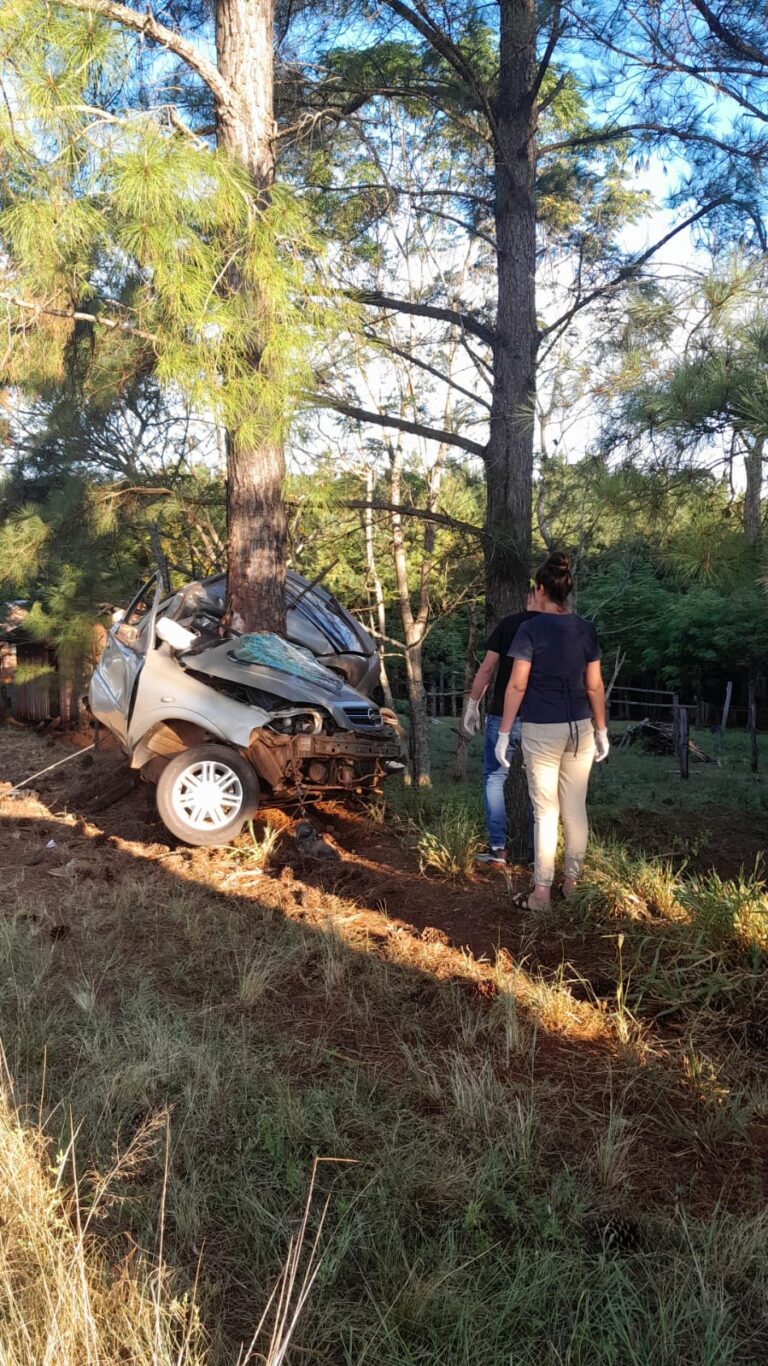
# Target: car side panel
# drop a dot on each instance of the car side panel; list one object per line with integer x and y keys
{"x": 167, "y": 692}
{"x": 104, "y": 705}
{"x": 113, "y": 682}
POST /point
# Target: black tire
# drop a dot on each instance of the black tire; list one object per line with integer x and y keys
{"x": 238, "y": 802}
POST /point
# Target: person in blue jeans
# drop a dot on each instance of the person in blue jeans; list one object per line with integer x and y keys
{"x": 497, "y": 661}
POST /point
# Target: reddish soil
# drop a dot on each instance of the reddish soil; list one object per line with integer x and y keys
{"x": 374, "y": 894}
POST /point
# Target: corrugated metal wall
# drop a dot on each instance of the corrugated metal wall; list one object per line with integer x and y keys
{"x": 38, "y": 699}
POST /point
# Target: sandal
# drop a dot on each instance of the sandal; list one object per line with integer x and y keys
{"x": 522, "y": 902}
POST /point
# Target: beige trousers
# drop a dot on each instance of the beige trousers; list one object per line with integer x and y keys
{"x": 558, "y": 777}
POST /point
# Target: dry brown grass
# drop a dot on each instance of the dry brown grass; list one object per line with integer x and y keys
{"x": 63, "y": 1303}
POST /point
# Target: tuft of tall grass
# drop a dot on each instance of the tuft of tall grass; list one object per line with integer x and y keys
{"x": 730, "y": 911}
{"x": 256, "y": 852}
{"x": 447, "y": 841}
{"x": 62, "y": 1302}
{"x": 621, "y": 883}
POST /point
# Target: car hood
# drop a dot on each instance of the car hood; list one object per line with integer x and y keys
{"x": 271, "y": 664}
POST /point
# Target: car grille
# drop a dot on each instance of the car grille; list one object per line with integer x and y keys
{"x": 364, "y": 716}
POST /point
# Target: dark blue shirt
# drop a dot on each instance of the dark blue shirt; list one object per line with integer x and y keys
{"x": 559, "y": 646}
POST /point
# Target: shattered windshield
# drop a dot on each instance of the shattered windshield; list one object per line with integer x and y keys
{"x": 276, "y": 653}
{"x": 325, "y": 614}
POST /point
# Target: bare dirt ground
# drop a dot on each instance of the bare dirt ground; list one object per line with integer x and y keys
{"x": 59, "y": 832}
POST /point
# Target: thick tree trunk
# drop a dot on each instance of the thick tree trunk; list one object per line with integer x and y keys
{"x": 517, "y": 803}
{"x": 256, "y": 537}
{"x": 509, "y": 454}
{"x": 753, "y": 467}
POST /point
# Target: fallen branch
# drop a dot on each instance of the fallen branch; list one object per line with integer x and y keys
{"x": 658, "y": 738}
{"x": 617, "y": 667}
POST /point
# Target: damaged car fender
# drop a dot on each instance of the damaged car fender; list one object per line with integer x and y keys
{"x": 168, "y": 692}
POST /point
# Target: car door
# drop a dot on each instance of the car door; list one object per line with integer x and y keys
{"x": 124, "y": 654}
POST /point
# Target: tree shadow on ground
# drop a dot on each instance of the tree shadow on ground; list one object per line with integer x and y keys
{"x": 277, "y": 1018}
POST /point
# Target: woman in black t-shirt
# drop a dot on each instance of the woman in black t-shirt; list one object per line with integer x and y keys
{"x": 557, "y": 687}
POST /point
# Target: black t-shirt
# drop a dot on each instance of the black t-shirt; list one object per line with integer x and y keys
{"x": 499, "y": 641}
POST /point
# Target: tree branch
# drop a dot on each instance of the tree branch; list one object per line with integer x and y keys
{"x": 430, "y": 369}
{"x": 466, "y": 321}
{"x": 146, "y": 24}
{"x": 728, "y": 36}
{"x": 400, "y": 424}
{"x": 439, "y": 518}
{"x": 76, "y": 316}
{"x": 436, "y": 39}
{"x": 555, "y": 33}
{"x": 406, "y": 191}
{"x": 308, "y": 123}
{"x": 628, "y": 270}
{"x": 663, "y": 130}
{"x": 469, "y": 228}
{"x": 419, "y": 19}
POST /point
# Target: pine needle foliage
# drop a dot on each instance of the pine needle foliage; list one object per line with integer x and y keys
{"x": 117, "y": 224}
{"x": 718, "y": 381}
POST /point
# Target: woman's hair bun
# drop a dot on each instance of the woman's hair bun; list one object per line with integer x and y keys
{"x": 555, "y": 577}
{"x": 560, "y": 562}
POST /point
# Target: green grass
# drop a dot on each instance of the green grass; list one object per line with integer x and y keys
{"x": 474, "y": 1175}
{"x": 440, "y": 825}
{"x": 457, "y": 1237}
{"x": 633, "y": 773}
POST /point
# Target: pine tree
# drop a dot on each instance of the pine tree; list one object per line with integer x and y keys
{"x": 709, "y": 388}
{"x": 124, "y": 230}
{"x": 534, "y": 112}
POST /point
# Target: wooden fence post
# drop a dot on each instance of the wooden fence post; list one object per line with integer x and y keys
{"x": 675, "y": 723}
{"x": 752, "y": 724}
{"x": 724, "y": 720}
{"x": 683, "y": 742}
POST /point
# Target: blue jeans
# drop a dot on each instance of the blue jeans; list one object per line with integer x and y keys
{"x": 494, "y": 778}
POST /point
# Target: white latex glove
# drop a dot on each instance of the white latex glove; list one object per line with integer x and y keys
{"x": 602, "y": 745}
{"x": 502, "y": 745}
{"x": 471, "y": 720}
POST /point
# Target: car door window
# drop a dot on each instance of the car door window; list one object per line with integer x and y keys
{"x": 130, "y": 632}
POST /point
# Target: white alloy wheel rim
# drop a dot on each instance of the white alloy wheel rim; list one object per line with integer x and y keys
{"x": 207, "y": 795}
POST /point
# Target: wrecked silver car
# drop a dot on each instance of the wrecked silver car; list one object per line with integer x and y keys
{"x": 221, "y": 725}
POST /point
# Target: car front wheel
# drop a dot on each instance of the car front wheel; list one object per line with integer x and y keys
{"x": 206, "y": 794}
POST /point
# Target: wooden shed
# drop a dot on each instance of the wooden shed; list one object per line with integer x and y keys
{"x": 29, "y": 683}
